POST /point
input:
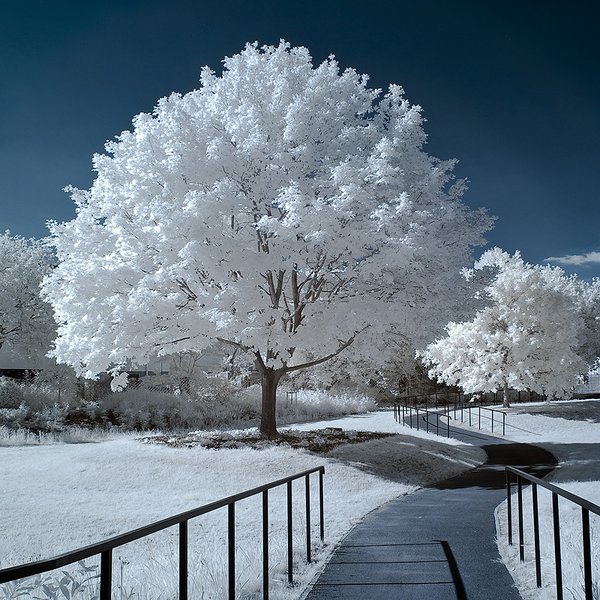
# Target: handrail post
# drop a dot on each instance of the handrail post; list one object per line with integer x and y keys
{"x": 231, "y": 548}
{"x": 106, "y": 575}
{"x": 321, "y": 506}
{"x": 307, "y": 491}
{"x": 509, "y": 506}
{"x": 290, "y": 543}
{"x": 557, "y": 556}
{"x": 503, "y": 423}
{"x": 587, "y": 557}
{"x": 265, "y": 543}
{"x": 520, "y": 506}
{"x": 493, "y": 420}
{"x": 183, "y": 560}
{"x": 536, "y": 535}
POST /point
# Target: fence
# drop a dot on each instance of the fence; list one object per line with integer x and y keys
{"x": 586, "y": 508}
{"x": 105, "y": 548}
{"x": 589, "y": 386}
{"x": 441, "y": 399}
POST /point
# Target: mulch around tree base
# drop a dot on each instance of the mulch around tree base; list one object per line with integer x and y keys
{"x": 319, "y": 440}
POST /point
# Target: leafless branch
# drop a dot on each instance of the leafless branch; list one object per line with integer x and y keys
{"x": 319, "y": 361}
{"x": 232, "y": 343}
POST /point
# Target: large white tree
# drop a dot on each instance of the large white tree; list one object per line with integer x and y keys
{"x": 26, "y": 323}
{"x": 530, "y": 336}
{"x": 284, "y": 209}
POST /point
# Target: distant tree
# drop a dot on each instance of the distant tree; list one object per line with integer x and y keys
{"x": 527, "y": 338}
{"x": 285, "y": 210}
{"x": 26, "y": 323}
{"x": 587, "y": 300}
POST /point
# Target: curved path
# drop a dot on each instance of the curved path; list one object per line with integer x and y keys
{"x": 437, "y": 543}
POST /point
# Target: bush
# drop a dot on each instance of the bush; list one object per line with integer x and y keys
{"x": 314, "y": 405}
{"x": 154, "y": 403}
{"x": 30, "y": 406}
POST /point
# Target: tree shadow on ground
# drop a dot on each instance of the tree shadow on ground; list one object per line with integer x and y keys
{"x": 532, "y": 459}
{"x": 405, "y": 459}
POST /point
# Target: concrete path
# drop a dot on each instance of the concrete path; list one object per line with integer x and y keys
{"x": 438, "y": 543}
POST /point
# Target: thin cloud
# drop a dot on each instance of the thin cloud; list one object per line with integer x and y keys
{"x": 576, "y": 259}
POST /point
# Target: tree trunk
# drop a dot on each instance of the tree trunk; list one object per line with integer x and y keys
{"x": 505, "y": 399}
{"x": 268, "y": 418}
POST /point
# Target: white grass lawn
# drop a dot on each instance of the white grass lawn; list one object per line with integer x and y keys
{"x": 57, "y": 497}
{"x": 576, "y": 444}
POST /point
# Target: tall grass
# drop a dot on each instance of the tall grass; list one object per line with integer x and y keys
{"x": 70, "y": 435}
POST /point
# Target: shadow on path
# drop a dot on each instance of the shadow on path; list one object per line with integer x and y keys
{"x": 490, "y": 475}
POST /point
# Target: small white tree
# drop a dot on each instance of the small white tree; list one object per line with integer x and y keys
{"x": 526, "y": 339}
{"x": 286, "y": 210}
{"x": 26, "y": 323}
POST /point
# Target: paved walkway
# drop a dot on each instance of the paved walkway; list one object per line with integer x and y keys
{"x": 438, "y": 543}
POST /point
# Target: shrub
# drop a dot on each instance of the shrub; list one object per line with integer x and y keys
{"x": 155, "y": 403}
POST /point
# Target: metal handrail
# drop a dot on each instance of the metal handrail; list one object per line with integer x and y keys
{"x": 587, "y": 507}
{"x": 401, "y": 411}
{"x": 448, "y": 405}
{"x": 442, "y": 398}
{"x": 462, "y": 407}
{"x": 105, "y": 547}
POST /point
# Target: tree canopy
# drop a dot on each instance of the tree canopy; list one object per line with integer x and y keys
{"x": 286, "y": 209}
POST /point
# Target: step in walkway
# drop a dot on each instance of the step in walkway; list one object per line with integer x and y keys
{"x": 438, "y": 543}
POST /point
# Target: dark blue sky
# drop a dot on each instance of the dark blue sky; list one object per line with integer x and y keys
{"x": 511, "y": 89}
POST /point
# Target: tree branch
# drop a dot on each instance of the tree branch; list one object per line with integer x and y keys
{"x": 318, "y": 361}
{"x": 232, "y": 343}
{"x": 183, "y": 339}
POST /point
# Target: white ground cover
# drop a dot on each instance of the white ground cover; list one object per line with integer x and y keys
{"x": 57, "y": 497}
{"x": 576, "y": 444}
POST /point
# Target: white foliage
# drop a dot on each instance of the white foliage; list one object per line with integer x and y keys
{"x": 527, "y": 338}
{"x": 282, "y": 207}
{"x": 26, "y": 324}
{"x": 118, "y": 382}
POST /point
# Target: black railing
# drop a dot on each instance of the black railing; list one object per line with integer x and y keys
{"x": 105, "y": 548}
{"x": 473, "y": 414}
{"x": 586, "y": 508}
{"x": 445, "y": 397}
{"x": 431, "y": 419}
